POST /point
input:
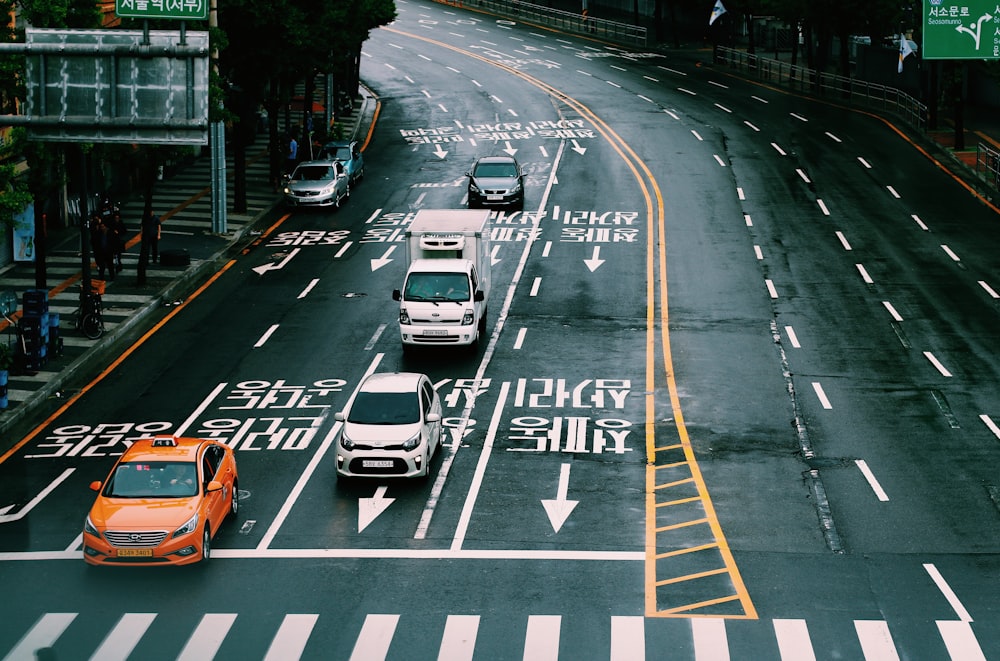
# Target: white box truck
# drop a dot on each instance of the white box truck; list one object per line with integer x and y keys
{"x": 448, "y": 276}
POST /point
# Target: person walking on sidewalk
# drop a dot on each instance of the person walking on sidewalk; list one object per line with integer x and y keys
{"x": 119, "y": 232}
{"x": 292, "y": 157}
{"x": 151, "y": 231}
{"x": 101, "y": 243}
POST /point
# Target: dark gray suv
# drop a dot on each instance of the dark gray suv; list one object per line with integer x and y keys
{"x": 496, "y": 181}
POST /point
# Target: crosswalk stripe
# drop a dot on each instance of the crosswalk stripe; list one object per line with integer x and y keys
{"x": 123, "y": 638}
{"x": 541, "y": 642}
{"x": 793, "y": 640}
{"x": 628, "y": 638}
{"x": 204, "y": 643}
{"x": 292, "y": 636}
{"x": 44, "y": 632}
{"x": 710, "y": 642}
{"x": 459, "y": 639}
{"x": 960, "y": 640}
{"x": 376, "y": 634}
{"x": 876, "y": 642}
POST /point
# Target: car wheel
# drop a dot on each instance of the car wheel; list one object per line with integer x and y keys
{"x": 206, "y": 543}
{"x": 336, "y": 202}
{"x": 234, "y": 507}
{"x": 347, "y": 193}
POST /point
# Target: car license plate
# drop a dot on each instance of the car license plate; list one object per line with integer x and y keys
{"x": 436, "y": 332}
{"x": 376, "y": 463}
{"x": 135, "y": 553}
{"x": 494, "y": 198}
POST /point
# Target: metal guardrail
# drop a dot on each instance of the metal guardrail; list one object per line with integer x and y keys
{"x": 810, "y": 81}
{"x": 622, "y": 33}
{"x": 988, "y": 164}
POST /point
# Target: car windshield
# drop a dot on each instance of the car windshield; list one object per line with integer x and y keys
{"x": 437, "y": 287}
{"x": 496, "y": 170}
{"x": 154, "y": 479}
{"x": 385, "y": 408}
{"x": 313, "y": 173}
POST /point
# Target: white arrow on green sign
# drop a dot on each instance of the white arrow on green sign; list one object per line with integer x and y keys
{"x": 966, "y": 30}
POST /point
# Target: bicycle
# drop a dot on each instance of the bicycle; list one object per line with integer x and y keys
{"x": 90, "y": 314}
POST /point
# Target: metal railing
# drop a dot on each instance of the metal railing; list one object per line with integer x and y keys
{"x": 622, "y": 33}
{"x": 810, "y": 81}
{"x": 988, "y": 164}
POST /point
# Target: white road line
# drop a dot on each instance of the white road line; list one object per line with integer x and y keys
{"x": 123, "y": 638}
{"x": 519, "y": 340}
{"x": 948, "y": 251}
{"x": 751, "y": 126}
{"x": 309, "y": 288}
{"x": 710, "y": 641}
{"x": 772, "y": 292}
{"x": 535, "y": 284}
{"x": 740, "y": 194}
{"x": 960, "y": 640}
{"x": 628, "y": 638}
{"x": 864, "y": 273}
{"x": 864, "y": 162}
{"x": 989, "y": 290}
{"x": 207, "y": 638}
{"x": 265, "y": 336}
{"x": 793, "y": 640}
{"x": 802, "y": 174}
{"x": 936, "y": 363}
{"x": 872, "y": 482}
{"x": 876, "y": 642}
{"x": 541, "y": 641}
{"x": 758, "y": 252}
{"x": 376, "y": 634}
{"x": 375, "y": 336}
{"x": 843, "y": 240}
{"x": 340, "y": 252}
{"x": 477, "y": 477}
{"x": 892, "y": 310}
{"x": 182, "y": 428}
{"x": 948, "y": 593}
{"x": 459, "y": 639}
{"x": 43, "y": 634}
{"x": 792, "y": 337}
{"x": 778, "y": 149}
{"x": 919, "y": 222}
{"x": 293, "y": 634}
{"x": 719, "y": 160}
{"x": 722, "y": 107}
{"x": 992, "y": 426}
{"x": 798, "y": 117}
{"x": 822, "y": 207}
{"x": 697, "y": 136}
{"x": 893, "y": 192}
{"x": 747, "y": 220}
{"x": 832, "y": 136}
{"x": 818, "y": 389}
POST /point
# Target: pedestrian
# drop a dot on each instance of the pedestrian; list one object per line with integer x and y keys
{"x": 293, "y": 154}
{"x": 151, "y": 231}
{"x": 101, "y": 241}
{"x": 119, "y": 237}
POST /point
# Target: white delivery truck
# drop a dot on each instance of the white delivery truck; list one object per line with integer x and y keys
{"x": 448, "y": 275}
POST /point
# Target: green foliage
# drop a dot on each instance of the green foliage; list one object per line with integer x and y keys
{"x": 14, "y": 194}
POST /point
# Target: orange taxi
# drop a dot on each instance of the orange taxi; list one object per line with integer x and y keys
{"x": 162, "y": 503}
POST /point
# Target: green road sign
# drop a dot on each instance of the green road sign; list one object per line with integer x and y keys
{"x": 963, "y": 30}
{"x": 194, "y": 10}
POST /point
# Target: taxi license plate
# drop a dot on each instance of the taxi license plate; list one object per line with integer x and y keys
{"x": 494, "y": 198}
{"x": 435, "y": 332}
{"x": 376, "y": 463}
{"x": 135, "y": 553}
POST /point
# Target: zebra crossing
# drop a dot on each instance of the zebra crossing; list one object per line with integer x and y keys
{"x": 389, "y": 636}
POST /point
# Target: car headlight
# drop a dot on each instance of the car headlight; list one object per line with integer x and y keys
{"x": 473, "y": 188}
{"x": 90, "y": 528}
{"x": 467, "y": 318}
{"x": 346, "y": 443}
{"x": 412, "y": 443}
{"x": 404, "y": 317}
{"x": 516, "y": 188}
{"x": 189, "y": 526}
{"x": 287, "y": 190}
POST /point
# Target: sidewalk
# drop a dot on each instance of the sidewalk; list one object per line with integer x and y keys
{"x": 184, "y": 204}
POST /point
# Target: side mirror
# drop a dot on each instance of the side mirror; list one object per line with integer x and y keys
{"x": 339, "y": 416}
{"x": 479, "y": 296}
{"x": 433, "y": 417}
{"x": 95, "y": 485}
{"x": 396, "y": 295}
{"x": 214, "y": 485}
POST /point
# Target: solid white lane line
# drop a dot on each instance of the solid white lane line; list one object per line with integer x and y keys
{"x": 293, "y": 634}
{"x": 876, "y": 642}
{"x": 265, "y": 336}
{"x": 182, "y": 429}
{"x": 628, "y": 638}
{"x": 372, "y": 643}
{"x": 459, "y": 639}
{"x": 948, "y": 593}
{"x": 710, "y": 642}
{"x": 123, "y": 638}
{"x": 204, "y": 643}
{"x": 792, "y": 337}
{"x": 937, "y": 364}
{"x": 541, "y": 641}
{"x": 818, "y": 389}
{"x": 892, "y": 311}
{"x": 793, "y": 640}
{"x": 872, "y": 482}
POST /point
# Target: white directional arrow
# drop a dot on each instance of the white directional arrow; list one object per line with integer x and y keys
{"x": 510, "y": 150}
{"x": 264, "y": 268}
{"x": 7, "y": 518}
{"x": 494, "y": 260}
{"x": 577, "y": 148}
{"x": 594, "y": 262}
{"x": 383, "y": 260}
{"x": 370, "y": 508}
{"x": 560, "y": 508}
{"x": 441, "y": 153}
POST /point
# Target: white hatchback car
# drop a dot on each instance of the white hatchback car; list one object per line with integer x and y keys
{"x": 391, "y": 427}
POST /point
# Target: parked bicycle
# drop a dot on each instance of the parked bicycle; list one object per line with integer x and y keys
{"x": 90, "y": 314}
